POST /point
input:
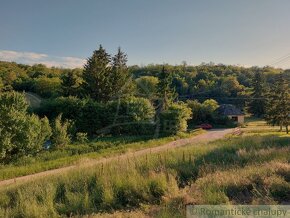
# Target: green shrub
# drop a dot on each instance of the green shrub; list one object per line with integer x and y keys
{"x": 157, "y": 190}
{"x": 20, "y": 133}
{"x": 93, "y": 116}
{"x": 174, "y": 119}
{"x": 130, "y": 115}
{"x": 87, "y": 115}
{"x": 81, "y": 137}
{"x": 69, "y": 107}
{"x": 60, "y": 136}
{"x": 202, "y": 112}
{"x": 128, "y": 195}
{"x": 147, "y": 86}
{"x": 78, "y": 149}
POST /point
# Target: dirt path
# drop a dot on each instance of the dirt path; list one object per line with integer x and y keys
{"x": 203, "y": 138}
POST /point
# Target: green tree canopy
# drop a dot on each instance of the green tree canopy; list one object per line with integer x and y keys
{"x": 147, "y": 86}
{"x": 105, "y": 77}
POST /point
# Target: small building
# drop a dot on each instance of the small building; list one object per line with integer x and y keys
{"x": 232, "y": 112}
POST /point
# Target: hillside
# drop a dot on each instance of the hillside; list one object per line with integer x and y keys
{"x": 161, "y": 184}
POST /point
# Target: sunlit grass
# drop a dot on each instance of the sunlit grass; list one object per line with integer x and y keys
{"x": 245, "y": 169}
{"x": 77, "y": 153}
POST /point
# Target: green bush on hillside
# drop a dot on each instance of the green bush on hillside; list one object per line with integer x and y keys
{"x": 174, "y": 119}
{"x": 131, "y": 115}
{"x": 20, "y": 133}
{"x": 60, "y": 136}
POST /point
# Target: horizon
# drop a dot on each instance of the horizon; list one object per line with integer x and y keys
{"x": 63, "y": 65}
{"x": 245, "y": 33}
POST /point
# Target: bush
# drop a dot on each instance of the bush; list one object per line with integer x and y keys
{"x": 202, "y": 112}
{"x": 78, "y": 149}
{"x": 92, "y": 117}
{"x": 147, "y": 86}
{"x": 82, "y": 137}
{"x": 26, "y": 133}
{"x": 174, "y": 119}
{"x": 88, "y": 116}
{"x": 69, "y": 107}
{"x": 60, "y": 136}
{"x": 130, "y": 115}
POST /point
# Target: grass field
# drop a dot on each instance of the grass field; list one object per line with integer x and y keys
{"x": 249, "y": 169}
{"x": 78, "y": 153}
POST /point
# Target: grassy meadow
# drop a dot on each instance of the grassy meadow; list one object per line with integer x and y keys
{"x": 77, "y": 153}
{"x": 249, "y": 169}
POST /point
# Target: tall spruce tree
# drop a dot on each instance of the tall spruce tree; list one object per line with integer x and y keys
{"x": 278, "y": 106}
{"x": 258, "y": 102}
{"x": 71, "y": 82}
{"x": 121, "y": 82}
{"x": 166, "y": 95}
{"x": 96, "y": 76}
{"x": 164, "y": 88}
{"x": 106, "y": 78}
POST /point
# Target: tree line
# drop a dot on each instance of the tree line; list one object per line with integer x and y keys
{"x": 108, "y": 97}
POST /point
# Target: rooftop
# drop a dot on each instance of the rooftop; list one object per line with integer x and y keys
{"x": 229, "y": 109}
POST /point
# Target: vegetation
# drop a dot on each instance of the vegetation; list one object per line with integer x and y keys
{"x": 147, "y": 86}
{"x": 205, "y": 112}
{"x": 279, "y": 104}
{"x": 60, "y": 136}
{"x": 174, "y": 119}
{"x": 107, "y": 108}
{"x": 78, "y": 152}
{"x": 166, "y": 182}
{"x": 20, "y": 133}
{"x": 105, "y": 78}
{"x": 257, "y": 105}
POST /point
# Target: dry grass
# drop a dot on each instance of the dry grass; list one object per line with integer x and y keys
{"x": 250, "y": 169}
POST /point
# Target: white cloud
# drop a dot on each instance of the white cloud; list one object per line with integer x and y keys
{"x": 37, "y": 58}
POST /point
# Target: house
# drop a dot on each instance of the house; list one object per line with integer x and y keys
{"x": 232, "y": 112}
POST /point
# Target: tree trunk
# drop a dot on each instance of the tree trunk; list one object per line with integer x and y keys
{"x": 280, "y": 128}
{"x": 287, "y": 130}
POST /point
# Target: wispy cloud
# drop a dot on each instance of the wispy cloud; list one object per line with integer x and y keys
{"x": 37, "y": 58}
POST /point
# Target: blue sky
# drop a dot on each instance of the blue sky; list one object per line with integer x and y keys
{"x": 65, "y": 32}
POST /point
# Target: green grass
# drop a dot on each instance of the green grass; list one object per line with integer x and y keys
{"x": 248, "y": 169}
{"x": 78, "y": 153}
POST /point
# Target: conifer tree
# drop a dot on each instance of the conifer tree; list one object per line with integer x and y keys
{"x": 71, "y": 82}
{"x": 119, "y": 77}
{"x": 96, "y": 75}
{"x": 258, "y": 101}
{"x": 166, "y": 95}
{"x": 164, "y": 88}
{"x": 106, "y": 78}
{"x": 278, "y": 106}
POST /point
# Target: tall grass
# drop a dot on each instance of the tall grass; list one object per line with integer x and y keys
{"x": 250, "y": 169}
{"x": 76, "y": 153}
